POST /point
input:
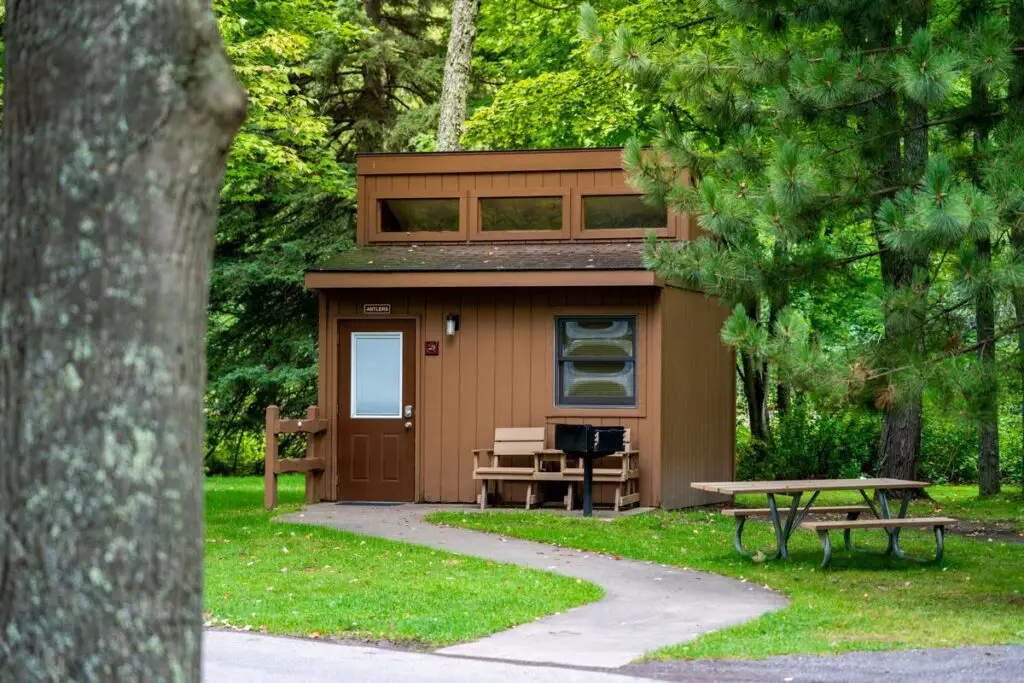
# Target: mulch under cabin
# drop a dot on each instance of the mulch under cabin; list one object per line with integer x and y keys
{"x": 507, "y": 289}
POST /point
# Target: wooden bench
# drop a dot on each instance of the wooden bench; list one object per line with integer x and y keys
{"x": 510, "y": 444}
{"x": 852, "y": 512}
{"x": 626, "y": 476}
{"x": 892, "y": 527}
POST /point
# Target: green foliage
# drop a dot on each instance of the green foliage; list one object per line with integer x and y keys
{"x": 820, "y": 137}
{"x": 841, "y": 444}
{"x": 325, "y": 79}
{"x": 547, "y": 92}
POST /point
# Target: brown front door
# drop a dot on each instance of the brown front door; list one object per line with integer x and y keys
{"x": 377, "y": 449}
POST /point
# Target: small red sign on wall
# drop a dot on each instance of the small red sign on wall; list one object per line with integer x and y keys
{"x": 432, "y": 348}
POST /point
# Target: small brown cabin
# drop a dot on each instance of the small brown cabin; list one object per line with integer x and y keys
{"x": 474, "y": 277}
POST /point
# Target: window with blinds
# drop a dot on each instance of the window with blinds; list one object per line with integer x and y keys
{"x": 596, "y": 361}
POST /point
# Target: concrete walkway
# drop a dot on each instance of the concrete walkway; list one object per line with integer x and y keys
{"x": 248, "y": 658}
{"x": 646, "y": 606}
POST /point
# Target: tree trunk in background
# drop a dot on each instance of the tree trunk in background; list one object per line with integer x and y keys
{"x": 782, "y": 389}
{"x": 457, "y": 65}
{"x": 984, "y": 304}
{"x": 755, "y": 389}
{"x": 900, "y": 447}
{"x": 118, "y": 117}
{"x": 1017, "y": 236}
{"x": 901, "y": 430}
{"x": 782, "y": 398}
{"x": 988, "y": 426}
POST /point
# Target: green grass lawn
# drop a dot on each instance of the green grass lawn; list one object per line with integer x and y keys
{"x": 862, "y": 602}
{"x": 309, "y": 581}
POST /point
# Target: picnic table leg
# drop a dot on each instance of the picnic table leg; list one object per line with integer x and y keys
{"x": 883, "y": 506}
{"x": 737, "y": 539}
{"x": 827, "y": 545}
{"x": 782, "y": 533}
{"x": 894, "y": 543}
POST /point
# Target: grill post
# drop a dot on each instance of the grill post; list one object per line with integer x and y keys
{"x": 588, "y": 484}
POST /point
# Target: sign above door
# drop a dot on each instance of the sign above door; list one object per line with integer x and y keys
{"x": 376, "y": 309}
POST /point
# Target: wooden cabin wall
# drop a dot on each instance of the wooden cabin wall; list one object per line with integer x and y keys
{"x": 698, "y": 398}
{"x": 497, "y": 371}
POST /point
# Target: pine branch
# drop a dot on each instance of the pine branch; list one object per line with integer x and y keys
{"x": 951, "y": 354}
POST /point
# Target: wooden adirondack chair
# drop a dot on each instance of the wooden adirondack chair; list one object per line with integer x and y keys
{"x": 510, "y": 444}
{"x": 626, "y": 476}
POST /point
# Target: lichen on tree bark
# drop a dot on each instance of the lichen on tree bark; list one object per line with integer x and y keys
{"x": 118, "y": 117}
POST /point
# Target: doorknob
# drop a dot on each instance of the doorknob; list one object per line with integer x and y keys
{"x": 408, "y": 425}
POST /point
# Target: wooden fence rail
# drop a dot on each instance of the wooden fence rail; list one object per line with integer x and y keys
{"x": 312, "y": 466}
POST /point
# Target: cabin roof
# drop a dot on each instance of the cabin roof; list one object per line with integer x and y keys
{"x": 404, "y": 258}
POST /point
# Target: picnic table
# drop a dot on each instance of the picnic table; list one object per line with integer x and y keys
{"x": 795, "y": 517}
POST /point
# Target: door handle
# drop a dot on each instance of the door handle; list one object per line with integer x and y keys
{"x": 407, "y": 413}
{"x": 408, "y": 425}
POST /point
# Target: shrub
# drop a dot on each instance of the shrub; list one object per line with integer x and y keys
{"x": 812, "y": 444}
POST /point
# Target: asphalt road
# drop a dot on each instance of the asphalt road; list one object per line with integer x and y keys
{"x": 249, "y": 658}
{"x": 961, "y": 665}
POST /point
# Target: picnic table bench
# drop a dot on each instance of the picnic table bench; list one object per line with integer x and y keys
{"x": 797, "y": 517}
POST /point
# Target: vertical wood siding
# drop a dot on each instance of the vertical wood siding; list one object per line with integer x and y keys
{"x": 497, "y": 371}
{"x": 698, "y": 398}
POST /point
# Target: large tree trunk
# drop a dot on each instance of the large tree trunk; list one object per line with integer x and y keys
{"x": 900, "y": 447}
{"x": 1017, "y": 235}
{"x": 984, "y": 304}
{"x": 457, "y": 66}
{"x": 119, "y": 115}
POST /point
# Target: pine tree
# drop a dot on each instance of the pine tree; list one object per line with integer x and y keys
{"x": 809, "y": 139}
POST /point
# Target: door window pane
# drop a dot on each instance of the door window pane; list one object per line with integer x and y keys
{"x": 520, "y": 213}
{"x": 419, "y": 215}
{"x": 596, "y": 359}
{"x": 614, "y": 212}
{"x": 376, "y": 374}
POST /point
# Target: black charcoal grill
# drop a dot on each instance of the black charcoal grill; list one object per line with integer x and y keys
{"x": 588, "y": 442}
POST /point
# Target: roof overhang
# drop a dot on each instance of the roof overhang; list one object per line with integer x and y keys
{"x": 533, "y": 278}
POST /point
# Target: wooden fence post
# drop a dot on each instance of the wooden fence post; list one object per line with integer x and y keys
{"x": 270, "y": 461}
{"x": 312, "y": 478}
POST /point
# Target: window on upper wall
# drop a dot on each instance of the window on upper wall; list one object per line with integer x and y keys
{"x": 419, "y": 215}
{"x": 499, "y": 214}
{"x": 621, "y": 212}
{"x": 596, "y": 361}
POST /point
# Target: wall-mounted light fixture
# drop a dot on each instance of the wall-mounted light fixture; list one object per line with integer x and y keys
{"x": 452, "y": 324}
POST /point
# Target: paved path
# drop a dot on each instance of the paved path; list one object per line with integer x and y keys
{"x": 646, "y": 605}
{"x": 248, "y": 658}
